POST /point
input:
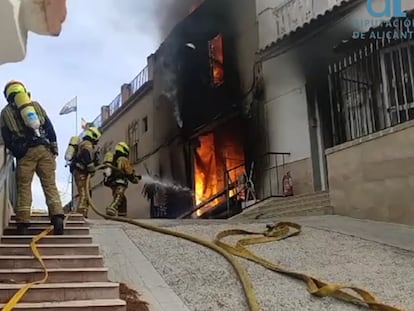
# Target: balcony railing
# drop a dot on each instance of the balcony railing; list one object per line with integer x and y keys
{"x": 135, "y": 84}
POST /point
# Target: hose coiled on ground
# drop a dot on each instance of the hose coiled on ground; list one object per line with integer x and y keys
{"x": 273, "y": 233}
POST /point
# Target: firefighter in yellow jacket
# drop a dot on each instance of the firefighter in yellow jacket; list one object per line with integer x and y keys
{"x": 84, "y": 163}
{"x": 122, "y": 172}
{"x": 29, "y": 135}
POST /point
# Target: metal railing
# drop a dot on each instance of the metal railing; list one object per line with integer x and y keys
{"x": 8, "y": 189}
{"x": 370, "y": 89}
{"x": 269, "y": 171}
{"x": 262, "y": 178}
{"x": 135, "y": 85}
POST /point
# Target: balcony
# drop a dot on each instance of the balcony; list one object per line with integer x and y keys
{"x": 135, "y": 85}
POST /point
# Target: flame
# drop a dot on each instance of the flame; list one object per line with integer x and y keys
{"x": 217, "y": 154}
{"x": 217, "y": 59}
{"x": 206, "y": 184}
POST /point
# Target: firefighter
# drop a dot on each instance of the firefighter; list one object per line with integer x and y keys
{"x": 84, "y": 163}
{"x": 29, "y": 135}
{"x": 122, "y": 172}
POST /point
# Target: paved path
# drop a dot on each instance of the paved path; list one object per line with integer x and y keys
{"x": 176, "y": 275}
{"x": 127, "y": 264}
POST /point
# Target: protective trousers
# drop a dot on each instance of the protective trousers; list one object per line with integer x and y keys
{"x": 119, "y": 202}
{"x": 83, "y": 203}
{"x": 39, "y": 160}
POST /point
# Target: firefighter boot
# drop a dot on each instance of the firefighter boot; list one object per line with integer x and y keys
{"x": 22, "y": 229}
{"x": 58, "y": 223}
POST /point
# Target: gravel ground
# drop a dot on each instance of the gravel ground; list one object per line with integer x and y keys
{"x": 205, "y": 281}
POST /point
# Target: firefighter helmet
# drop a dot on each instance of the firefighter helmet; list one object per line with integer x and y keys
{"x": 93, "y": 133}
{"x": 12, "y": 88}
{"x": 122, "y": 148}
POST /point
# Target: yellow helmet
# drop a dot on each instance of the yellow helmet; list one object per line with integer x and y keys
{"x": 93, "y": 133}
{"x": 13, "y": 87}
{"x": 122, "y": 148}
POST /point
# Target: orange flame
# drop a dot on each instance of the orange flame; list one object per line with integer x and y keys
{"x": 217, "y": 59}
{"x": 216, "y": 155}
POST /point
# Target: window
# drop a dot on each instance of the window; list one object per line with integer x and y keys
{"x": 216, "y": 60}
{"x": 372, "y": 88}
{"x": 145, "y": 125}
{"x": 398, "y": 74}
{"x": 133, "y": 141}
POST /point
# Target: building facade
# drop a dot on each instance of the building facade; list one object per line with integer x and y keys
{"x": 342, "y": 106}
{"x": 186, "y": 123}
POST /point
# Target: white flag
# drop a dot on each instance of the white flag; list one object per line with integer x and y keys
{"x": 71, "y": 106}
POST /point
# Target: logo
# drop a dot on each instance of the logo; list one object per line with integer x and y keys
{"x": 392, "y": 8}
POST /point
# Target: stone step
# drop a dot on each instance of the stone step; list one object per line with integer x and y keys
{"x": 59, "y": 275}
{"x": 78, "y": 261}
{"x": 77, "y": 305}
{"x": 289, "y": 207}
{"x": 313, "y": 211}
{"x": 50, "y": 239}
{"x": 50, "y": 249}
{"x": 56, "y": 292}
{"x": 46, "y": 217}
{"x": 37, "y": 230}
{"x": 46, "y": 223}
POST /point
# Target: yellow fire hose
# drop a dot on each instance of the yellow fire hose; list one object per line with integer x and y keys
{"x": 276, "y": 233}
{"x": 22, "y": 291}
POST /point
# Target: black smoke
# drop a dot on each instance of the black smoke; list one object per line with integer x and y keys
{"x": 170, "y": 13}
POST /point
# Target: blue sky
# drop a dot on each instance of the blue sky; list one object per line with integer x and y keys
{"x": 104, "y": 43}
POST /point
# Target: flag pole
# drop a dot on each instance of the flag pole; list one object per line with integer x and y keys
{"x": 76, "y": 133}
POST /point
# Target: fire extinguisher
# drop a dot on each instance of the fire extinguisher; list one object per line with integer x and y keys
{"x": 287, "y": 185}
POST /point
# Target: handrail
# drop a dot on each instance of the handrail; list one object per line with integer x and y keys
{"x": 116, "y": 103}
{"x": 5, "y": 170}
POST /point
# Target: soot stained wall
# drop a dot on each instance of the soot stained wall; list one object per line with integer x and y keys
{"x": 197, "y": 100}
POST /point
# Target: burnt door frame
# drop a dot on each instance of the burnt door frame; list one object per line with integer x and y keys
{"x": 318, "y": 157}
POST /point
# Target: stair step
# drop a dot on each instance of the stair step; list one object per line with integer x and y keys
{"x": 54, "y": 292}
{"x": 46, "y": 217}
{"x": 58, "y": 275}
{"x": 46, "y": 223}
{"x": 50, "y": 249}
{"x": 37, "y": 230}
{"x": 78, "y": 261}
{"x": 312, "y": 211}
{"x": 50, "y": 239}
{"x": 77, "y": 305}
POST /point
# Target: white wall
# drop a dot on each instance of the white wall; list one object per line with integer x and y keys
{"x": 284, "y": 75}
{"x": 277, "y": 18}
{"x": 286, "y": 107}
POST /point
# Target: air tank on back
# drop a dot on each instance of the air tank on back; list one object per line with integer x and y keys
{"x": 28, "y": 112}
{"x": 71, "y": 149}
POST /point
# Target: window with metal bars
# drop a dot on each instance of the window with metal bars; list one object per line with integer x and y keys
{"x": 371, "y": 89}
{"x": 133, "y": 141}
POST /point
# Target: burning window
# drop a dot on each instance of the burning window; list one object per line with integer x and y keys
{"x": 219, "y": 154}
{"x": 216, "y": 60}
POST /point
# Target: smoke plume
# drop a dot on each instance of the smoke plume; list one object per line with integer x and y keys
{"x": 171, "y": 12}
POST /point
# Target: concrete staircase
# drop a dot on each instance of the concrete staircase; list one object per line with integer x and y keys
{"x": 313, "y": 204}
{"x": 77, "y": 279}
